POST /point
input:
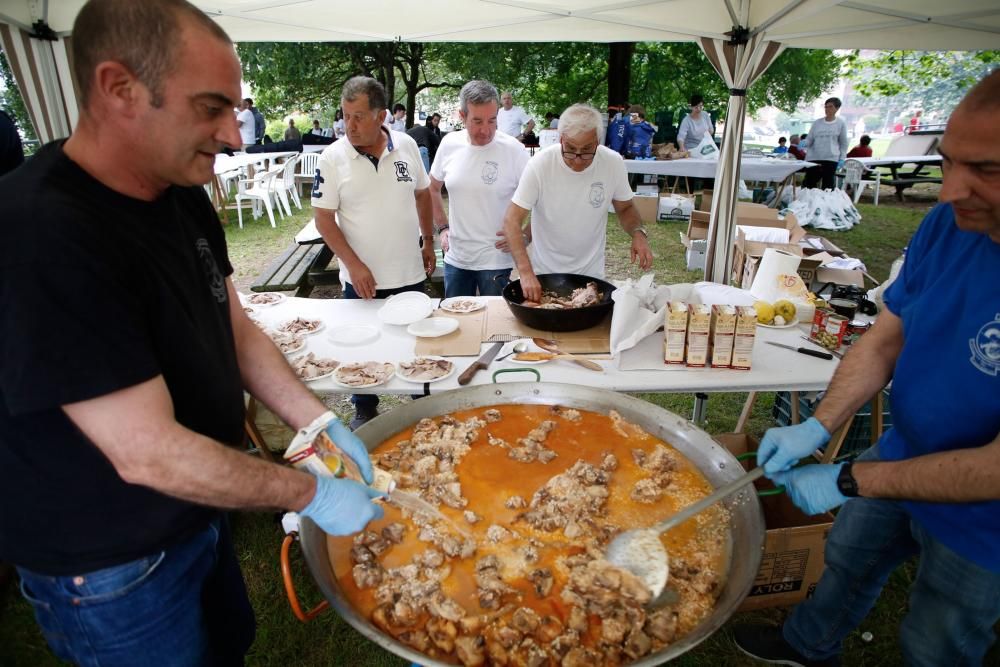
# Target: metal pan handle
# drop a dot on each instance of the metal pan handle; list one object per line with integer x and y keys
{"x": 538, "y": 376}
{"x": 766, "y": 492}
{"x": 286, "y": 574}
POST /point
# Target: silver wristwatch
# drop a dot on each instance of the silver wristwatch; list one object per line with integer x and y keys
{"x": 641, "y": 230}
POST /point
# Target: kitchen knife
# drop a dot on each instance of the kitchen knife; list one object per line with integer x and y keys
{"x": 800, "y": 350}
{"x": 836, "y": 353}
{"x": 482, "y": 363}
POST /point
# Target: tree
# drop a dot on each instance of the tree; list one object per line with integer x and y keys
{"x": 901, "y": 81}
{"x": 11, "y": 101}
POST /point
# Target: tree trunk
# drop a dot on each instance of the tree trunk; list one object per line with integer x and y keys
{"x": 619, "y": 72}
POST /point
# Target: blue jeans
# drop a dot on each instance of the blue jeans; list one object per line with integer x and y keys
{"x": 465, "y": 282}
{"x": 425, "y": 157}
{"x": 186, "y": 606}
{"x": 369, "y": 402}
{"x": 954, "y": 603}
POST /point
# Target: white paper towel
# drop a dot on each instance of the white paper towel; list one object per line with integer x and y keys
{"x": 775, "y": 263}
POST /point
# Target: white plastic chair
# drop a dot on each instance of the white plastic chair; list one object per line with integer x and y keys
{"x": 259, "y": 188}
{"x": 308, "y": 163}
{"x": 855, "y": 177}
{"x": 285, "y": 183}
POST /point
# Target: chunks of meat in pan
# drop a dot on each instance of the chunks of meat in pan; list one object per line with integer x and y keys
{"x": 581, "y": 297}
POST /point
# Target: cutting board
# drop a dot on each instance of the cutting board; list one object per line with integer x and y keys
{"x": 463, "y": 342}
{"x": 595, "y": 340}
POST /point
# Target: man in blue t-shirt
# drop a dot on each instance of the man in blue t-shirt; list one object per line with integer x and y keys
{"x": 931, "y": 486}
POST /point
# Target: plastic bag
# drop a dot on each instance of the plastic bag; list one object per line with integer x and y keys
{"x": 706, "y": 149}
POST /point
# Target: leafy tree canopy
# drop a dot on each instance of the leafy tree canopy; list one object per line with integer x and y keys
{"x": 10, "y": 99}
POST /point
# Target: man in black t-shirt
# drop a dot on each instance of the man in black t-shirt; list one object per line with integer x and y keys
{"x": 123, "y": 366}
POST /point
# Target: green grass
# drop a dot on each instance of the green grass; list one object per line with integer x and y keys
{"x": 282, "y": 640}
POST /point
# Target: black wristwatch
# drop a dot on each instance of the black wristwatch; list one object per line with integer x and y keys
{"x": 846, "y": 483}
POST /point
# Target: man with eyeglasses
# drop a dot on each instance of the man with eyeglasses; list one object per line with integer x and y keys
{"x": 567, "y": 187}
{"x": 372, "y": 204}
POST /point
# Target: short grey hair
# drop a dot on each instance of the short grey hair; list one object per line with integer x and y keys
{"x": 477, "y": 92}
{"x": 580, "y": 119}
{"x": 365, "y": 85}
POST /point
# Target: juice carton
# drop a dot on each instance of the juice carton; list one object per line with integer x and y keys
{"x": 699, "y": 326}
{"x": 675, "y": 332}
{"x": 723, "y": 331}
{"x": 746, "y": 331}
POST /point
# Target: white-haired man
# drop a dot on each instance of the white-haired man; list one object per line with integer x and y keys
{"x": 566, "y": 187}
{"x": 481, "y": 168}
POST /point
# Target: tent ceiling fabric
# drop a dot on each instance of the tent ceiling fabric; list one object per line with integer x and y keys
{"x": 873, "y": 24}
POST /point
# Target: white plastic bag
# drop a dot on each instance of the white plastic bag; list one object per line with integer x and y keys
{"x": 706, "y": 149}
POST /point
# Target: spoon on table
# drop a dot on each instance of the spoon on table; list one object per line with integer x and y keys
{"x": 519, "y": 347}
{"x": 552, "y": 346}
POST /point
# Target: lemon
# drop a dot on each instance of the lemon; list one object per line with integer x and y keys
{"x": 786, "y": 309}
{"x": 765, "y": 312}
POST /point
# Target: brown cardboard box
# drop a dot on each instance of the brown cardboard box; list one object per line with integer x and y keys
{"x": 793, "y": 547}
{"x": 696, "y": 240}
{"x": 839, "y": 277}
{"x": 648, "y": 206}
{"x": 748, "y": 254}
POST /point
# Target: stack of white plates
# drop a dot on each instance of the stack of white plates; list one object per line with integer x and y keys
{"x": 406, "y": 308}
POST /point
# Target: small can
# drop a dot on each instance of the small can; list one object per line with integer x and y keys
{"x": 854, "y": 331}
{"x": 836, "y": 327}
{"x": 819, "y": 321}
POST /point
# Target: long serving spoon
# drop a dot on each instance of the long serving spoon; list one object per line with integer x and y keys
{"x": 553, "y": 346}
{"x": 519, "y": 347}
{"x": 641, "y": 552}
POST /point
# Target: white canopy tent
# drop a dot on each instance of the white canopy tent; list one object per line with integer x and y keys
{"x": 740, "y": 37}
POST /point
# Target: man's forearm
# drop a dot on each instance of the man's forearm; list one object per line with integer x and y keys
{"x": 326, "y": 224}
{"x": 425, "y": 212}
{"x": 961, "y": 475}
{"x": 437, "y": 205}
{"x": 865, "y": 370}
{"x": 512, "y": 222}
{"x": 628, "y": 217}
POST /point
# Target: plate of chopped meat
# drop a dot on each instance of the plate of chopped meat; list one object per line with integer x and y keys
{"x": 265, "y": 298}
{"x": 358, "y": 375}
{"x": 425, "y": 369}
{"x": 301, "y": 326}
{"x": 462, "y": 304}
{"x": 288, "y": 343}
{"x": 310, "y": 368}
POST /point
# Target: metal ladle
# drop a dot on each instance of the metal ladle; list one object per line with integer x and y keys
{"x": 640, "y": 550}
{"x": 519, "y": 347}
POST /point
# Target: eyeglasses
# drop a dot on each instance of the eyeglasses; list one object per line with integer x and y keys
{"x": 586, "y": 157}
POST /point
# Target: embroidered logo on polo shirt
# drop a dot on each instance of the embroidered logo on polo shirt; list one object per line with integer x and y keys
{"x": 316, "y": 183}
{"x": 402, "y": 171}
{"x": 491, "y": 171}
{"x": 986, "y": 347}
{"x": 215, "y": 280}
{"x": 596, "y": 194}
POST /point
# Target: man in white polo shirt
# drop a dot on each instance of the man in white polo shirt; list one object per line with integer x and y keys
{"x": 373, "y": 208}
{"x": 481, "y": 168}
{"x": 567, "y": 187}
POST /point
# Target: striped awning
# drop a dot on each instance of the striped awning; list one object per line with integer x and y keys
{"x": 41, "y": 68}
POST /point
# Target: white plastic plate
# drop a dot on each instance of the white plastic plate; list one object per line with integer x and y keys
{"x": 432, "y": 327}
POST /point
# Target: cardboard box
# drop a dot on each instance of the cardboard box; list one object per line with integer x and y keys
{"x": 695, "y": 241}
{"x": 674, "y": 208}
{"x": 699, "y": 326}
{"x": 743, "y": 340}
{"x": 721, "y": 336}
{"x": 675, "y": 332}
{"x": 793, "y": 546}
{"x": 647, "y": 205}
{"x": 838, "y": 277}
{"x": 748, "y": 254}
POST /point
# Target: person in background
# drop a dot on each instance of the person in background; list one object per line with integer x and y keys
{"x": 863, "y": 149}
{"x": 434, "y": 122}
{"x": 291, "y": 132}
{"x": 259, "y": 125}
{"x": 826, "y": 144}
{"x": 694, "y": 125}
{"x": 398, "y": 122}
{"x": 11, "y": 150}
{"x": 915, "y": 120}
{"x": 427, "y": 142}
{"x": 795, "y": 149}
{"x": 528, "y": 137}
{"x": 640, "y": 133}
{"x": 566, "y": 188}
{"x": 124, "y": 451}
{"x": 930, "y": 487}
{"x": 781, "y": 148}
{"x": 551, "y": 121}
{"x": 373, "y": 208}
{"x": 246, "y": 123}
{"x": 481, "y": 169}
{"x": 339, "y": 127}
{"x": 511, "y": 119}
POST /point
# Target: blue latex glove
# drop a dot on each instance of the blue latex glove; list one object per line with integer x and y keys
{"x": 813, "y": 488}
{"x": 352, "y": 446}
{"x": 782, "y": 447}
{"x": 342, "y": 506}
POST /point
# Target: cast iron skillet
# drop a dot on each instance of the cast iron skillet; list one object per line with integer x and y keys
{"x": 569, "y": 319}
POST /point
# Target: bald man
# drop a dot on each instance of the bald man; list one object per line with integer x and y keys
{"x": 930, "y": 488}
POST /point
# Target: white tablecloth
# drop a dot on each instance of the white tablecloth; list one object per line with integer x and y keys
{"x": 899, "y": 160}
{"x": 773, "y": 368}
{"x": 751, "y": 169}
